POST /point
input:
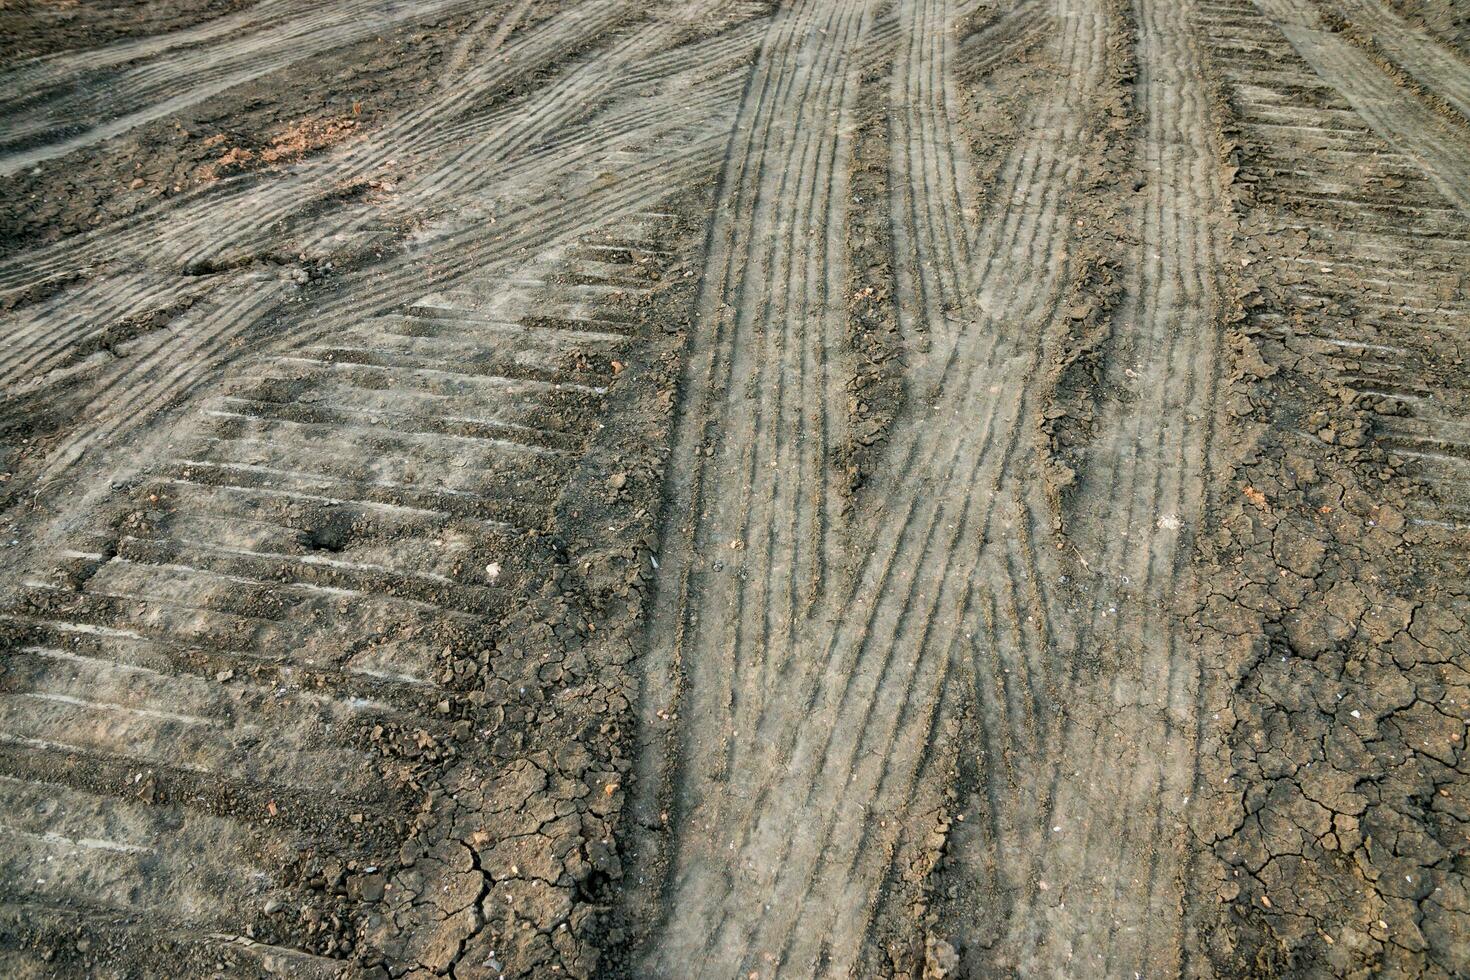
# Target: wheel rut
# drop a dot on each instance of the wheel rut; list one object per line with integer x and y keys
{"x": 759, "y": 495}
{"x": 870, "y": 669}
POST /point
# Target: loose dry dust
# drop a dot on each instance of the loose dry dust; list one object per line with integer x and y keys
{"x": 881, "y": 488}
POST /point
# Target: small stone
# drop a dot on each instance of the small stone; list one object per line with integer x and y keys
{"x": 941, "y": 960}
{"x": 370, "y": 887}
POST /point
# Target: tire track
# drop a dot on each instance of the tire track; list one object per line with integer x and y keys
{"x": 1391, "y": 266}
{"x": 847, "y": 726}
{"x": 1403, "y": 120}
{"x": 51, "y": 334}
{"x": 369, "y": 491}
{"x": 1114, "y": 847}
{"x": 1030, "y": 221}
{"x": 548, "y": 195}
{"x": 338, "y": 543}
{"x": 791, "y": 112}
{"x": 1085, "y": 837}
{"x": 1439, "y": 70}
{"x": 888, "y": 642}
{"x": 44, "y": 128}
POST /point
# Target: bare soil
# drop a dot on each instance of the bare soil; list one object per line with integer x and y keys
{"x": 881, "y": 488}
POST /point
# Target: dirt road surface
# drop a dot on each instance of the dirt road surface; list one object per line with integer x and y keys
{"x": 678, "y": 488}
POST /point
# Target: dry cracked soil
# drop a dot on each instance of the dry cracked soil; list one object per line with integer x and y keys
{"x": 734, "y": 488}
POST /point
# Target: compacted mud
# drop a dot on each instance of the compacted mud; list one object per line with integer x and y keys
{"x": 882, "y": 488}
